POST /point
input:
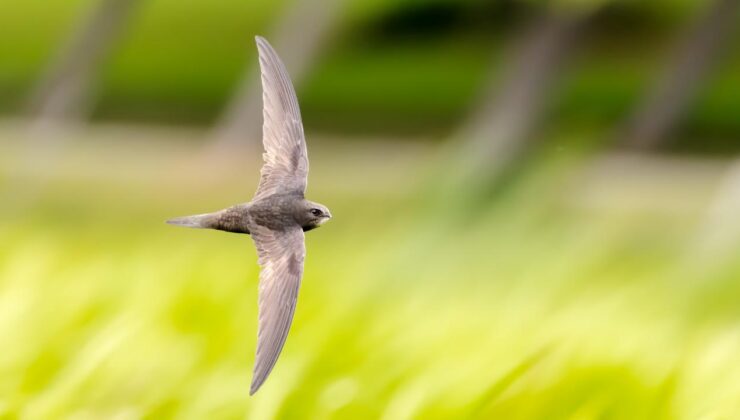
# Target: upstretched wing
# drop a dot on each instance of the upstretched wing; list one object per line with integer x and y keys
{"x": 286, "y": 159}
{"x": 281, "y": 257}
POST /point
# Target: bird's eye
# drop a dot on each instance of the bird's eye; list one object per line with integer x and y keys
{"x": 316, "y": 212}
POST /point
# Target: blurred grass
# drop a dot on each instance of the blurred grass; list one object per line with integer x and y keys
{"x": 539, "y": 305}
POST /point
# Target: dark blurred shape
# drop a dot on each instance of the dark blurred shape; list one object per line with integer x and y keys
{"x": 442, "y": 19}
{"x": 685, "y": 74}
{"x": 430, "y": 19}
{"x": 64, "y": 93}
{"x": 511, "y": 107}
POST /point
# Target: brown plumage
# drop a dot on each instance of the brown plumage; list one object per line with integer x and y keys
{"x": 278, "y": 214}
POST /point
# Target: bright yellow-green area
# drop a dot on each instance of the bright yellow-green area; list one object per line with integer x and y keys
{"x": 562, "y": 295}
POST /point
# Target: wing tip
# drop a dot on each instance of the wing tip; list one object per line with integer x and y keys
{"x": 257, "y": 381}
{"x": 261, "y": 41}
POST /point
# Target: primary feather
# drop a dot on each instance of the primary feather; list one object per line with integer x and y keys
{"x": 281, "y": 255}
{"x": 286, "y": 158}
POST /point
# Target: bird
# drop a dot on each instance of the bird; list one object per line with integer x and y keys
{"x": 278, "y": 214}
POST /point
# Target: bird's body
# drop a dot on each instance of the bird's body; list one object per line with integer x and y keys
{"x": 278, "y": 214}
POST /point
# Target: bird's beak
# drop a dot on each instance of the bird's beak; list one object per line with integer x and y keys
{"x": 325, "y": 218}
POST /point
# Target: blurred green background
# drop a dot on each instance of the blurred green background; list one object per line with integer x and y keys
{"x": 536, "y": 209}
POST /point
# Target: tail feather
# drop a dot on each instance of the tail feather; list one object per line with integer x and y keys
{"x": 198, "y": 221}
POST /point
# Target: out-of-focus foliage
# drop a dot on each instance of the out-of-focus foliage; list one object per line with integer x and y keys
{"x": 393, "y": 68}
{"x": 540, "y": 306}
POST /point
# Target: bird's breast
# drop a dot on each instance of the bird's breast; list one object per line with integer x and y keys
{"x": 274, "y": 215}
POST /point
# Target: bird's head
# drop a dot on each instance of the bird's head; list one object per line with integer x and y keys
{"x": 313, "y": 215}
